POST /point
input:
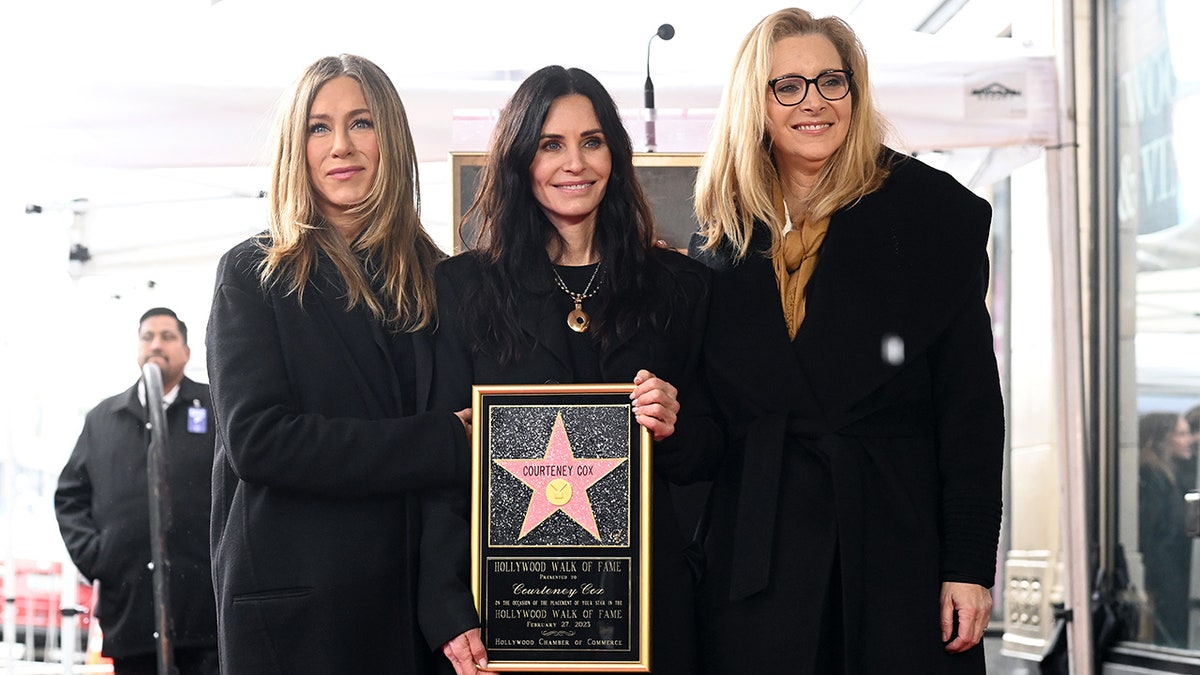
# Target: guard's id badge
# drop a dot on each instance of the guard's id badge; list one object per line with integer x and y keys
{"x": 197, "y": 419}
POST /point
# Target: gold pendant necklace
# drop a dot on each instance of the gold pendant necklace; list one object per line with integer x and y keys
{"x": 577, "y": 319}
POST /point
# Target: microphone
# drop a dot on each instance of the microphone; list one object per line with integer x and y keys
{"x": 664, "y": 32}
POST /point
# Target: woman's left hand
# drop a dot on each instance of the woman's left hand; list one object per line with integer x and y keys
{"x": 654, "y": 404}
{"x": 466, "y": 653}
{"x": 971, "y": 605}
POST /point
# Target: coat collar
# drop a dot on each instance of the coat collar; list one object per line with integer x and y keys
{"x": 130, "y": 403}
{"x": 364, "y": 343}
{"x": 540, "y": 316}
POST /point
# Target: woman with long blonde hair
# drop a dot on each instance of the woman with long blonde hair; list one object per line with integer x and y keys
{"x": 320, "y": 368}
{"x": 855, "y": 523}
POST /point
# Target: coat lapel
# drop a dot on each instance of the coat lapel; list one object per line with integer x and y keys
{"x": 857, "y": 301}
{"x": 363, "y": 348}
{"x": 750, "y": 329}
{"x": 542, "y": 320}
{"x": 423, "y": 353}
{"x": 133, "y": 405}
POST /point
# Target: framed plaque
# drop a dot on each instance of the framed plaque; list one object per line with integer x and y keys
{"x": 560, "y": 528}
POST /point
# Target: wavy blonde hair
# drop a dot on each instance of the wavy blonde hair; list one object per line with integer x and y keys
{"x": 738, "y": 182}
{"x": 401, "y": 253}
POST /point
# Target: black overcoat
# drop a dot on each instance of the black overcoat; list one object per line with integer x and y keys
{"x": 315, "y": 524}
{"x": 672, "y": 354}
{"x": 103, "y": 508}
{"x": 866, "y": 454}
{"x": 1167, "y": 553}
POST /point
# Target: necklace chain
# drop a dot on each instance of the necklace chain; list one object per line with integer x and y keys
{"x": 578, "y": 320}
{"x": 587, "y": 291}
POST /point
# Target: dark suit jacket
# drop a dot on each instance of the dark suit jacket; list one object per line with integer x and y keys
{"x": 673, "y": 355}
{"x": 887, "y": 403}
{"x": 103, "y": 509}
{"x": 315, "y": 528}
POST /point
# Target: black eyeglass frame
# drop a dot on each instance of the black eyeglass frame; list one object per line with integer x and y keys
{"x": 808, "y": 82}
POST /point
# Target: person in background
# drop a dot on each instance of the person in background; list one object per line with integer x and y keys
{"x": 1193, "y": 419}
{"x": 321, "y": 368}
{"x": 566, "y": 285}
{"x": 855, "y": 523}
{"x": 1164, "y": 439}
{"x": 1186, "y": 465}
{"x": 103, "y": 508}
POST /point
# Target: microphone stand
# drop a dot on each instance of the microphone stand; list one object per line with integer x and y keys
{"x": 651, "y": 140}
{"x": 666, "y": 32}
{"x": 160, "y": 519}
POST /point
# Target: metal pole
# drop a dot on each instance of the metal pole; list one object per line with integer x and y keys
{"x": 1068, "y": 327}
{"x": 160, "y": 516}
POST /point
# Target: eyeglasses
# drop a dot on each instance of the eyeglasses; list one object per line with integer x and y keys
{"x": 832, "y": 85}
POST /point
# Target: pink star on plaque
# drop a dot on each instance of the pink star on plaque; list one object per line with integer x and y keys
{"x": 559, "y": 481}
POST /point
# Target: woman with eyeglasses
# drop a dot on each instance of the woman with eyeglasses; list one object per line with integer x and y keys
{"x": 854, "y": 525}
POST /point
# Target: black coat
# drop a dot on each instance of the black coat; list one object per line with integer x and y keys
{"x": 867, "y": 453}
{"x": 1167, "y": 553}
{"x": 103, "y": 509}
{"x": 673, "y": 355}
{"x": 315, "y": 527}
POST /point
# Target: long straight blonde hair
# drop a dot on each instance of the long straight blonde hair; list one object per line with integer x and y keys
{"x": 738, "y": 181}
{"x": 400, "y": 252}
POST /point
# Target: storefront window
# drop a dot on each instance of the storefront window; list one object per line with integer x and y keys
{"x": 1158, "y": 212}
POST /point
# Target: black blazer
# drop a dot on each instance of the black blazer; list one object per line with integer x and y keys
{"x": 315, "y": 528}
{"x": 891, "y": 381}
{"x": 673, "y": 354}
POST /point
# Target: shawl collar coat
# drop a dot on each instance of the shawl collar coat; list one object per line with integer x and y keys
{"x": 869, "y": 450}
{"x": 315, "y": 523}
{"x": 673, "y": 355}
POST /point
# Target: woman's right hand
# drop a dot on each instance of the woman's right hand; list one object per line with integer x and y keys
{"x": 466, "y": 652}
{"x": 464, "y": 416}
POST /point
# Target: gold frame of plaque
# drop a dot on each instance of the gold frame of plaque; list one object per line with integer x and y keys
{"x": 560, "y": 528}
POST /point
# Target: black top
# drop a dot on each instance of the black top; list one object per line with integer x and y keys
{"x": 584, "y": 355}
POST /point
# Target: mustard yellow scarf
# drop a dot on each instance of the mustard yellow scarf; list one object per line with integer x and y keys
{"x": 794, "y": 264}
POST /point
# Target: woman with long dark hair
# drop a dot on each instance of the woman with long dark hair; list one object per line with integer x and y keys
{"x": 1164, "y": 439}
{"x": 565, "y": 284}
